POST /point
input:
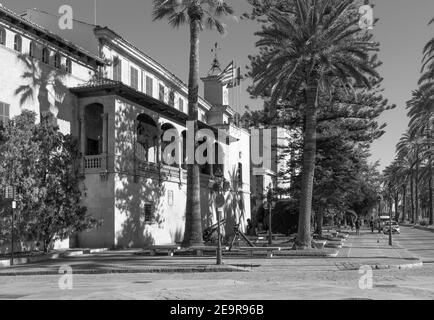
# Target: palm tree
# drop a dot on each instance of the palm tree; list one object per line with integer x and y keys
{"x": 197, "y": 14}
{"x": 424, "y": 112}
{"x": 409, "y": 148}
{"x": 306, "y": 50}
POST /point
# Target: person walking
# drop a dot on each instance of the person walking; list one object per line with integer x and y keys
{"x": 357, "y": 227}
{"x": 371, "y": 224}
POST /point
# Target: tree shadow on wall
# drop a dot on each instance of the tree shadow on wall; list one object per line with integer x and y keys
{"x": 138, "y": 192}
{"x": 44, "y": 84}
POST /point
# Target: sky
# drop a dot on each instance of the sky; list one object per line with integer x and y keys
{"x": 402, "y": 32}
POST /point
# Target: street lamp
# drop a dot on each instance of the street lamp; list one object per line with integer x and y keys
{"x": 270, "y": 197}
{"x": 10, "y": 194}
{"x": 219, "y": 185}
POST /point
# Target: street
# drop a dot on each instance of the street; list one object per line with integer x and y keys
{"x": 269, "y": 279}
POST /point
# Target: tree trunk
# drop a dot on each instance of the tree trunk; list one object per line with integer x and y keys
{"x": 193, "y": 217}
{"x": 412, "y": 197}
{"x": 396, "y": 206}
{"x": 430, "y": 183}
{"x": 404, "y": 191}
{"x": 416, "y": 218}
{"x": 309, "y": 153}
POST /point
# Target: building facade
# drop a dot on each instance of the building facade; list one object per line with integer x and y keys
{"x": 120, "y": 104}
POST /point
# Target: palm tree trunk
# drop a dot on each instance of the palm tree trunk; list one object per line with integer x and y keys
{"x": 430, "y": 182}
{"x": 416, "y": 218}
{"x": 309, "y": 152}
{"x": 412, "y": 197}
{"x": 404, "y": 191}
{"x": 396, "y": 206}
{"x": 193, "y": 217}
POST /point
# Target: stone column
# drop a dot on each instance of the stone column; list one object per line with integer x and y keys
{"x": 104, "y": 133}
{"x": 104, "y": 117}
{"x": 82, "y": 134}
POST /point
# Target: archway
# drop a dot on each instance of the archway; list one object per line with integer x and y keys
{"x": 147, "y": 139}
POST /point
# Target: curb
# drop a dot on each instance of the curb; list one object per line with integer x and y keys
{"x": 79, "y": 252}
{"x": 6, "y": 263}
{"x": 198, "y": 269}
{"x": 418, "y": 227}
{"x": 352, "y": 266}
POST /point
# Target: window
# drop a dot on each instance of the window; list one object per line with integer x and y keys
{"x": 149, "y": 86}
{"x": 68, "y": 65}
{"x": 57, "y": 60}
{"x": 2, "y": 36}
{"x": 18, "y": 43}
{"x": 117, "y": 69}
{"x": 4, "y": 112}
{"x": 134, "y": 78}
{"x": 171, "y": 98}
{"x": 181, "y": 104}
{"x": 149, "y": 213}
{"x": 161, "y": 93}
{"x": 32, "y": 49}
{"x": 46, "y": 55}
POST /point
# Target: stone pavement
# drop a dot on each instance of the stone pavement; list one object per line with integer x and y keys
{"x": 366, "y": 249}
{"x": 373, "y": 249}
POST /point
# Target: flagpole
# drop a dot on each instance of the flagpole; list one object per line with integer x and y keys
{"x": 95, "y": 10}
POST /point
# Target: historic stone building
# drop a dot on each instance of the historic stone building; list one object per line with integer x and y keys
{"x": 119, "y": 103}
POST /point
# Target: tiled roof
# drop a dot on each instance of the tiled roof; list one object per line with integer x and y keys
{"x": 50, "y": 34}
{"x": 94, "y": 83}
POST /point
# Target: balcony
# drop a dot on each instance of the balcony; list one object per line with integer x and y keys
{"x": 94, "y": 164}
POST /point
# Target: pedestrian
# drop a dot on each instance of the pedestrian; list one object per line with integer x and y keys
{"x": 250, "y": 228}
{"x": 357, "y": 227}
{"x": 371, "y": 223}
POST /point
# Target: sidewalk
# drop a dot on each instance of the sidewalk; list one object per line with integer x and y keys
{"x": 366, "y": 249}
{"x": 373, "y": 249}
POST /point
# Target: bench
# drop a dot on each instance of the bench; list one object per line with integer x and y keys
{"x": 201, "y": 249}
{"x": 169, "y": 248}
{"x": 269, "y": 250}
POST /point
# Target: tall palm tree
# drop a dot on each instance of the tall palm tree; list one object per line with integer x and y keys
{"x": 408, "y": 148}
{"x": 197, "y": 14}
{"x": 424, "y": 111}
{"x": 306, "y": 50}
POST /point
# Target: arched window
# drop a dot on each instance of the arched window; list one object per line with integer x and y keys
{"x": 32, "y": 49}
{"x": 147, "y": 138}
{"x": 68, "y": 65}
{"x": 2, "y": 36}
{"x": 46, "y": 55}
{"x": 240, "y": 174}
{"x": 18, "y": 43}
{"x": 164, "y": 144}
{"x": 57, "y": 60}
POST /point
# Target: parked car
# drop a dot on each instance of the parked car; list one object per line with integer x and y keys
{"x": 381, "y": 222}
{"x": 395, "y": 228}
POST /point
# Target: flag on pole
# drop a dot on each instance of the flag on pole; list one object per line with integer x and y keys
{"x": 227, "y": 75}
{"x": 236, "y": 80}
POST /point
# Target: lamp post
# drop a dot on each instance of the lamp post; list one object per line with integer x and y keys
{"x": 270, "y": 208}
{"x": 10, "y": 195}
{"x": 218, "y": 185}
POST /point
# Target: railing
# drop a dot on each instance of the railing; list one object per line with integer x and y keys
{"x": 93, "y": 162}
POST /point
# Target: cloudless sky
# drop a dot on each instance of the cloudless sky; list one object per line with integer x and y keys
{"x": 402, "y": 32}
